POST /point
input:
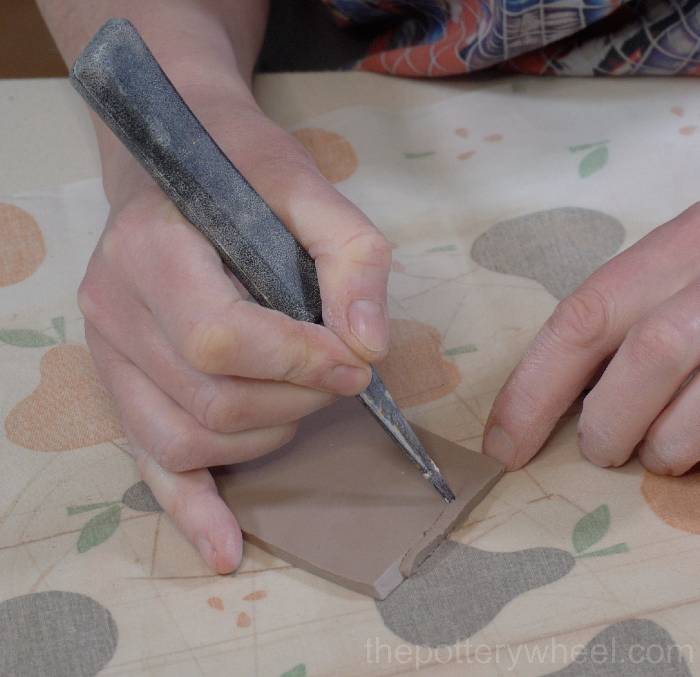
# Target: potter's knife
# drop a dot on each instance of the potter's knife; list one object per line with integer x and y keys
{"x": 121, "y": 80}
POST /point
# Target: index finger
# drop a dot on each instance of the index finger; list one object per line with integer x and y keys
{"x": 352, "y": 257}
{"x": 179, "y": 277}
{"x": 584, "y": 330}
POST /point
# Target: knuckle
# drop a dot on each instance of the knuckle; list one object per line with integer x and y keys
{"x": 286, "y": 434}
{"x": 208, "y": 345}
{"x": 592, "y": 436}
{"x": 205, "y": 406}
{"x": 523, "y": 400}
{"x": 218, "y": 411}
{"x": 93, "y": 299}
{"x": 174, "y": 450}
{"x": 88, "y": 300}
{"x": 369, "y": 247}
{"x": 301, "y": 360}
{"x": 657, "y": 341}
{"x": 516, "y": 403}
{"x": 582, "y": 320}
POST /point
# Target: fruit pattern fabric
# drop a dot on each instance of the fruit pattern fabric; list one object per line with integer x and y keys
{"x": 70, "y": 403}
{"x": 498, "y": 204}
{"x": 23, "y": 247}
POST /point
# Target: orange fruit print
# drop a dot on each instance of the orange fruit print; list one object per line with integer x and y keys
{"x": 415, "y": 371}
{"x": 333, "y": 154}
{"x": 22, "y": 249}
{"x": 676, "y": 500}
{"x": 69, "y": 409}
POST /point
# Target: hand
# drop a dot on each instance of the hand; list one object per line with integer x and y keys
{"x": 202, "y": 376}
{"x": 642, "y": 310}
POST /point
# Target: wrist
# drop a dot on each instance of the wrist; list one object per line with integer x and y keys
{"x": 215, "y": 105}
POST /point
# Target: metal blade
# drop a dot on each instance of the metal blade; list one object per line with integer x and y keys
{"x": 378, "y": 400}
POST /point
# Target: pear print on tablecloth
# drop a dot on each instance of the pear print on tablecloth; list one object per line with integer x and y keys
{"x": 415, "y": 370}
{"x": 632, "y": 648}
{"x": 104, "y": 523}
{"x": 460, "y": 589}
{"x": 559, "y": 248}
{"x": 333, "y": 154}
{"x": 22, "y": 249}
{"x": 69, "y": 409}
{"x": 676, "y": 500}
{"x": 57, "y": 633}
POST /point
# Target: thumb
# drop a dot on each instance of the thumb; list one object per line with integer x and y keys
{"x": 352, "y": 257}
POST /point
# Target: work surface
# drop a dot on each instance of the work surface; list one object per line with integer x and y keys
{"x": 559, "y": 555}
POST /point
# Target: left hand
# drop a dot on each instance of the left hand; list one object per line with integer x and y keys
{"x": 642, "y": 310}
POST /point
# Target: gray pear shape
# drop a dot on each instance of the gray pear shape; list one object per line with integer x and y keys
{"x": 633, "y": 648}
{"x": 62, "y": 634}
{"x": 139, "y": 497}
{"x": 559, "y": 248}
{"x": 459, "y": 589}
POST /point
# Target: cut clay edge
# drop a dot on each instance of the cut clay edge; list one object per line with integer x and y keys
{"x": 438, "y": 532}
{"x": 406, "y": 565}
{"x": 455, "y": 512}
{"x": 303, "y": 564}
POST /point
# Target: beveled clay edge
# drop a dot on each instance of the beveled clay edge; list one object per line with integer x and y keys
{"x": 361, "y": 587}
{"x": 439, "y": 530}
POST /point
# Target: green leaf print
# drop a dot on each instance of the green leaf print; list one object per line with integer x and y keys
{"x": 612, "y": 550}
{"x": 77, "y": 509}
{"x": 26, "y": 338}
{"x": 418, "y": 156}
{"x": 461, "y": 350}
{"x": 59, "y": 325}
{"x": 99, "y": 528}
{"x": 593, "y": 161}
{"x": 591, "y": 528}
{"x": 296, "y": 671}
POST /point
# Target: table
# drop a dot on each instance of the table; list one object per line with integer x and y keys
{"x": 453, "y": 172}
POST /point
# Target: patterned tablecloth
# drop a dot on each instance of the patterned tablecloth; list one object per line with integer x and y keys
{"x": 501, "y": 196}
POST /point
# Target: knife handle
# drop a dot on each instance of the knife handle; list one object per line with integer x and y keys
{"x": 121, "y": 80}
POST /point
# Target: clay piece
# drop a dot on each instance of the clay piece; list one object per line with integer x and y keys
{"x": 343, "y": 501}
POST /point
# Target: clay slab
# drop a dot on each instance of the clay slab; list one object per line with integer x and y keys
{"x": 342, "y": 501}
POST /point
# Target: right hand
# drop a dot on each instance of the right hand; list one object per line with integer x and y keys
{"x": 201, "y": 376}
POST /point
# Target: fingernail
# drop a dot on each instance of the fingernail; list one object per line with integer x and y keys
{"x": 498, "y": 445}
{"x": 590, "y": 449}
{"x": 651, "y": 461}
{"x": 368, "y": 324}
{"x": 345, "y": 380}
{"x": 206, "y": 550}
{"x": 229, "y": 556}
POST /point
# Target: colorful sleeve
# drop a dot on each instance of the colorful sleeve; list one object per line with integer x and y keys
{"x": 551, "y": 37}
